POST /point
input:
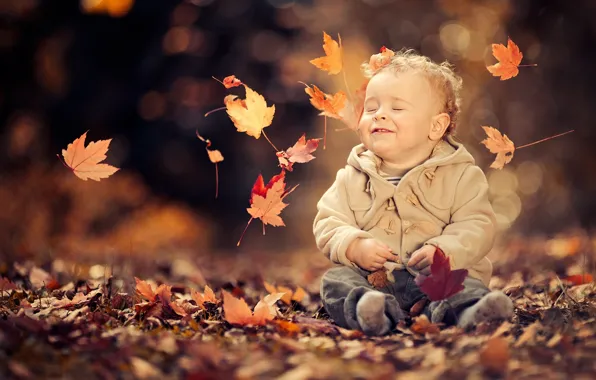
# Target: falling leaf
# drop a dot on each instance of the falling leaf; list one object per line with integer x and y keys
{"x": 85, "y": 161}
{"x": 299, "y": 153}
{"x": 381, "y": 59}
{"x": 266, "y": 201}
{"x": 249, "y": 115}
{"x": 330, "y": 105}
{"x": 442, "y": 282}
{"x": 423, "y": 326}
{"x": 215, "y": 155}
{"x": 230, "y": 81}
{"x": 499, "y": 144}
{"x": 509, "y": 59}
{"x": 236, "y": 310}
{"x": 494, "y": 356}
{"x": 332, "y": 61}
{"x": 352, "y": 112}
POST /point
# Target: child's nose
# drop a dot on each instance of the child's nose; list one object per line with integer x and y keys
{"x": 379, "y": 117}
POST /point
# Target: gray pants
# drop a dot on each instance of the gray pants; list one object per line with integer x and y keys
{"x": 342, "y": 287}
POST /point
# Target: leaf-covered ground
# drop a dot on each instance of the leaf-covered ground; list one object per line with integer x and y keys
{"x": 63, "y": 319}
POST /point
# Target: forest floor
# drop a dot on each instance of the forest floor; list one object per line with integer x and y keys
{"x": 72, "y": 319}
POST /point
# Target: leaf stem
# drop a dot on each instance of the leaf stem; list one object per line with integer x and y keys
{"x": 548, "y": 138}
{"x": 343, "y": 71}
{"x": 243, "y": 232}
{"x": 267, "y": 138}
{"x": 528, "y": 65}
{"x": 325, "y": 134}
{"x": 217, "y": 109}
{"x": 218, "y": 80}
{"x": 63, "y": 163}
{"x": 216, "y": 181}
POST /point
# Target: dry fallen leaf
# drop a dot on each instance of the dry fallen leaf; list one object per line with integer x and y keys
{"x": 381, "y": 59}
{"x": 145, "y": 290}
{"x": 423, "y": 326}
{"x": 249, "y": 115}
{"x": 494, "y": 356}
{"x": 299, "y": 153}
{"x": 499, "y": 144}
{"x": 85, "y": 161}
{"x": 289, "y": 294}
{"x": 330, "y": 105}
{"x": 207, "y": 296}
{"x": 237, "y": 311}
{"x": 509, "y": 59}
{"x": 378, "y": 279}
{"x": 332, "y": 61}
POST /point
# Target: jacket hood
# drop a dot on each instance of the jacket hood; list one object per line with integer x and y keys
{"x": 447, "y": 152}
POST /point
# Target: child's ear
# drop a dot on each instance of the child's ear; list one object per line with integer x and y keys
{"x": 438, "y": 126}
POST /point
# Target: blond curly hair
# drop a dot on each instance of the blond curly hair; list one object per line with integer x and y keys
{"x": 440, "y": 75}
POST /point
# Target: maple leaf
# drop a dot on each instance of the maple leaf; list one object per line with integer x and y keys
{"x": 330, "y": 105}
{"x": 352, "y": 112}
{"x": 332, "y": 61}
{"x": 65, "y": 302}
{"x": 442, "y": 282}
{"x": 289, "y": 294}
{"x": 499, "y": 144}
{"x": 266, "y": 201}
{"x": 207, "y": 296}
{"x": 6, "y": 285}
{"x": 423, "y": 326}
{"x": 250, "y": 115}
{"x": 299, "y": 153}
{"x": 85, "y": 161}
{"x": 509, "y": 59}
{"x": 237, "y": 312}
{"x": 215, "y": 156}
{"x": 381, "y": 59}
{"x": 144, "y": 289}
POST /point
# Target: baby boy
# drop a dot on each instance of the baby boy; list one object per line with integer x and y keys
{"x": 408, "y": 188}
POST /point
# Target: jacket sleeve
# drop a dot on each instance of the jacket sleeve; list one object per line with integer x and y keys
{"x": 335, "y": 226}
{"x": 471, "y": 232}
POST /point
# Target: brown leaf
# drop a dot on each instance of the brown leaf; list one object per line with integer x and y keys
{"x": 499, "y": 144}
{"x": 418, "y": 307}
{"x": 423, "y": 326}
{"x": 378, "y": 279}
{"x": 494, "y": 356}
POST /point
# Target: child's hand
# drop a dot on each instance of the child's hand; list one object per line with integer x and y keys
{"x": 370, "y": 254}
{"x": 422, "y": 258}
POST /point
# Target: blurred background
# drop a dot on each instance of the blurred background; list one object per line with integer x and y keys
{"x": 140, "y": 72}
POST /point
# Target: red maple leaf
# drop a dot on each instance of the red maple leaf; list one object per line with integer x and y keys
{"x": 442, "y": 282}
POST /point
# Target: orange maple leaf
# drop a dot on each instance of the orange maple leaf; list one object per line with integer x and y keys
{"x": 331, "y": 105}
{"x": 237, "y": 312}
{"x": 381, "y": 59}
{"x": 215, "y": 156}
{"x": 289, "y": 295}
{"x": 266, "y": 201}
{"x": 332, "y": 61}
{"x": 499, "y": 144}
{"x": 85, "y": 161}
{"x": 207, "y": 296}
{"x": 299, "y": 153}
{"x": 249, "y": 115}
{"x": 509, "y": 60}
{"x": 145, "y": 290}
{"x": 352, "y": 112}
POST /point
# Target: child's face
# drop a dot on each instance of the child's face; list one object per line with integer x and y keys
{"x": 399, "y": 111}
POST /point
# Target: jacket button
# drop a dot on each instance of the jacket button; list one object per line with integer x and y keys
{"x": 407, "y": 223}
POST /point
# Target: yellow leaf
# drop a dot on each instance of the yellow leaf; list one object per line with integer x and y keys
{"x": 84, "y": 161}
{"x": 250, "y": 115}
{"x": 332, "y": 61}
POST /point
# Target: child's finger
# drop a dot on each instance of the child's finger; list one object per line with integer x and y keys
{"x": 386, "y": 255}
{"x": 415, "y": 259}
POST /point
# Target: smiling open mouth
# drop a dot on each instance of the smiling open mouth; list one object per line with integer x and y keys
{"x": 381, "y": 130}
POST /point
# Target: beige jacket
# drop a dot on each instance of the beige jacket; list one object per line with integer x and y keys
{"x": 443, "y": 202}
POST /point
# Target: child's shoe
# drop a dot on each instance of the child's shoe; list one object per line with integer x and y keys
{"x": 370, "y": 312}
{"x": 494, "y": 305}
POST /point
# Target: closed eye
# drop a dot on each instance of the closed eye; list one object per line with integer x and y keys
{"x": 371, "y": 110}
{"x": 398, "y": 109}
